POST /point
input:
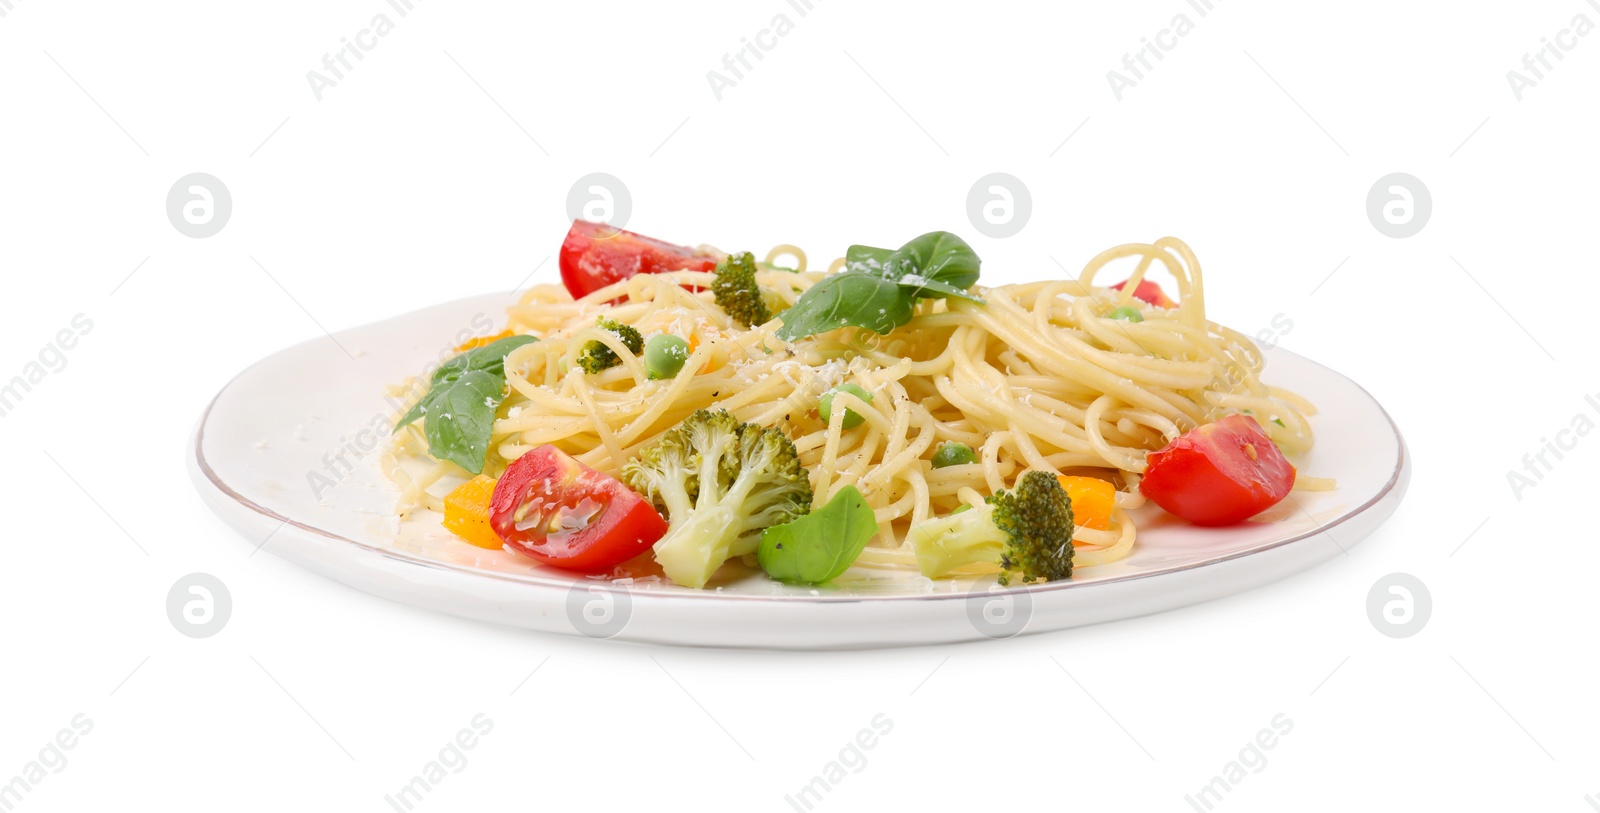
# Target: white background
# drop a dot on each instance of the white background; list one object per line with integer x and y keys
{"x": 417, "y": 179}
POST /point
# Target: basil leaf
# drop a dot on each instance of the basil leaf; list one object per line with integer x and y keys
{"x": 879, "y": 288}
{"x": 458, "y": 411}
{"x": 461, "y": 418}
{"x": 867, "y": 260}
{"x": 925, "y": 287}
{"x": 490, "y": 358}
{"x": 819, "y": 546}
{"x": 848, "y": 298}
{"x": 939, "y": 256}
{"x": 418, "y": 409}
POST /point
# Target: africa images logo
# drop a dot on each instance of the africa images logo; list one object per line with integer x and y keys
{"x": 598, "y": 609}
{"x": 997, "y": 612}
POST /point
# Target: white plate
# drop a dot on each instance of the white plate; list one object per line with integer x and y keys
{"x": 311, "y": 415}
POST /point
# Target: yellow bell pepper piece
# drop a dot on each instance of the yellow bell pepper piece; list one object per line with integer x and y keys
{"x": 1092, "y": 501}
{"x": 466, "y": 513}
{"x": 483, "y": 341}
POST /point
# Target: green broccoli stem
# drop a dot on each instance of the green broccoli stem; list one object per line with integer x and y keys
{"x": 712, "y": 533}
{"x": 720, "y": 481}
{"x": 695, "y": 548}
{"x": 1027, "y": 532}
{"x": 948, "y": 543}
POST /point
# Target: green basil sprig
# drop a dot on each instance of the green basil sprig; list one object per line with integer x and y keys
{"x": 458, "y": 411}
{"x": 879, "y": 287}
{"x": 818, "y": 546}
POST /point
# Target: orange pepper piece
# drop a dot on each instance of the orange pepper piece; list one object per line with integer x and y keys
{"x": 483, "y": 341}
{"x": 1092, "y": 501}
{"x": 711, "y": 364}
{"x": 466, "y": 513}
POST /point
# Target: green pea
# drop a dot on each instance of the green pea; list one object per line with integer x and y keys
{"x": 664, "y": 356}
{"x": 954, "y": 454}
{"x": 851, "y": 419}
{"x": 1125, "y": 312}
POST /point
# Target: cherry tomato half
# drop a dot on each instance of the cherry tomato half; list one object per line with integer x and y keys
{"x": 595, "y": 255}
{"x": 554, "y": 509}
{"x": 1219, "y": 474}
{"x": 1149, "y": 293}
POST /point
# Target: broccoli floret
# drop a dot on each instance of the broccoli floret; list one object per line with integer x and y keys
{"x": 1027, "y": 532}
{"x": 720, "y": 481}
{"x": 596, "y": 356}
{"x": 737, "y": 292}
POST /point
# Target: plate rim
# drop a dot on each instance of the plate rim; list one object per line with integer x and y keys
{"x": 1397, "y": 480}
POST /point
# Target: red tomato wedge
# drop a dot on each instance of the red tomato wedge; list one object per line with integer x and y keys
{"x": 552, "y": 508}
{"x": 1219, "y": 474}
{"x": 1149, "y": 293}
{"x": 595, "y": 255}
